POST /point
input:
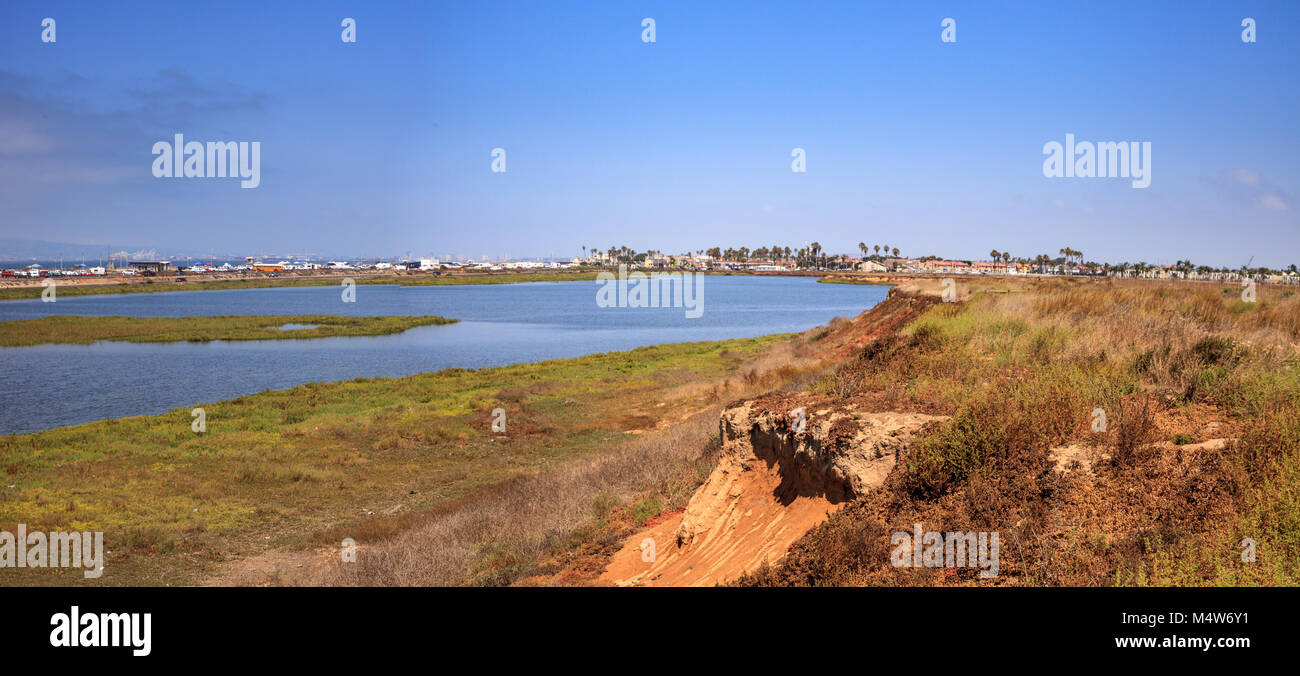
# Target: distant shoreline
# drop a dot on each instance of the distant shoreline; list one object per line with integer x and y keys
{"x": 31, "y": 289}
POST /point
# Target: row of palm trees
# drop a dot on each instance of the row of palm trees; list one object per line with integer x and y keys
{"x": 1068, "y": 255}
{"x": 814, "y": 256}
{"x": 866, "y": 249}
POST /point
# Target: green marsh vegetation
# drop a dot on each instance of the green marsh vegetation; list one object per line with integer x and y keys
{"x": 72, "y": 329}
{"x": 303, "y": 468}
{"x": 854, "y": 280}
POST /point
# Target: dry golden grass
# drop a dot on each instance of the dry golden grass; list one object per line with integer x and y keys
{"x": 496, "y": 538}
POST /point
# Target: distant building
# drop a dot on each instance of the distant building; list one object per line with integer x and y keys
{"x": 945, "y": 266}
{"x": 869, "y": 266}
{"x": 150, "y": 267}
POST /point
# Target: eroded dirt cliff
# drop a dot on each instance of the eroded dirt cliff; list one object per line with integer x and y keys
{"x": 788, "y": 462}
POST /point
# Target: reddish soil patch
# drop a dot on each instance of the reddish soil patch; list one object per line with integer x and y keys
{"x": 757, "y": 527}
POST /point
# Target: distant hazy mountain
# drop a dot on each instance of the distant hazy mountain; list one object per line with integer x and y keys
{"x": 16, "y": 249}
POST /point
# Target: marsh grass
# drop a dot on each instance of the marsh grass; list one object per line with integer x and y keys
{"x": 295, "y": 468}
{"x": 517, "y": 528}
{"x": 74, "y": 329}
{"x": 834, "y": 279}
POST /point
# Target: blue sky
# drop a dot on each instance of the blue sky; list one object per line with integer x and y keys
{"x": 384, "y": 146}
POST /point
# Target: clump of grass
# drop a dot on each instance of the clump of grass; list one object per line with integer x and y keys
{"x": 1134, "y": 429}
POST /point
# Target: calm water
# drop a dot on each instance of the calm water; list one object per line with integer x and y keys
{"x": 51, "y": 385}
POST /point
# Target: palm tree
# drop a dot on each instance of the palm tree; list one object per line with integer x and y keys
{"x": 895, "y": 252}
{"x": 877, "y": 249}
{"x": 1071, "y": 254}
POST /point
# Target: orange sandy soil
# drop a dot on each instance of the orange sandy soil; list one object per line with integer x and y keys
{"x": 758, "y": 527}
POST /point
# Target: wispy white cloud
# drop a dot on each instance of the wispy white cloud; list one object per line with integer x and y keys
{"x": 51, "y": 140}
{"x": 1251, "y": 187}
{"x": 1248, "y": 186}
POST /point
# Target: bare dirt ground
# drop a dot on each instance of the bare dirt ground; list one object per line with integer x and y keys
{"x": 271, "y": 567}
{"x": 756, "y": 527}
